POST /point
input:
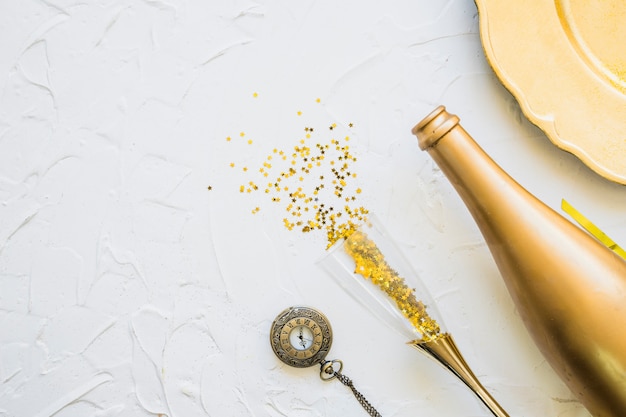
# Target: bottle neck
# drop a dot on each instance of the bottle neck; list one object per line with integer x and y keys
{"x": 480, "y": 182}
{"x": 503, "y": 210}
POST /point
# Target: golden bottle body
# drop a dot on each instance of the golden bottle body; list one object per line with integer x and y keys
{"x": 569, "y": 289}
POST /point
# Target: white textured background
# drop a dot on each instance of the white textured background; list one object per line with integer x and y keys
{"x": 129, "y": 289}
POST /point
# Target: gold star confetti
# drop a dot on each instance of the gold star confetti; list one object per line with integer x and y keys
{"x": 301, "y": 179}
{"x": 314, "y": 186}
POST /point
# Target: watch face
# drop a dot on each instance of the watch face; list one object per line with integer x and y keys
{"x": 301, "y": 336}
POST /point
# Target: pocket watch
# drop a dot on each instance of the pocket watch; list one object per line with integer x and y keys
{"x": 301, "y": 337}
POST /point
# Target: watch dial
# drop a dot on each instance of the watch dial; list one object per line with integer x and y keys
{"x": 301, "y": 336}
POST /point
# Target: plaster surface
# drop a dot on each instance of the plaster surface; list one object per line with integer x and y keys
{"x": 128, "y": 288}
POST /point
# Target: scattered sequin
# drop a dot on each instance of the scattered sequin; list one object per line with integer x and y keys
{"x": 312, "y": 184}
{"x": 309, "y": 203}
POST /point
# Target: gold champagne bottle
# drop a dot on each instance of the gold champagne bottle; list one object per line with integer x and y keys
{"x": 569, "y": 289}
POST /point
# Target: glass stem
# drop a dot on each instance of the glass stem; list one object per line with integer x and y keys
{"x": 444, "y": 351}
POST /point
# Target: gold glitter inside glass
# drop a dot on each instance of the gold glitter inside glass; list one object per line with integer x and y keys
{"x": 370, "y": 263}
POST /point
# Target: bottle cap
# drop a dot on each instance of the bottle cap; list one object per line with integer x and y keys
{"x": 433, "y": 127}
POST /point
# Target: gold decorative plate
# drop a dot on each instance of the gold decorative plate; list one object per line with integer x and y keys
{"x": 565, "y": 63}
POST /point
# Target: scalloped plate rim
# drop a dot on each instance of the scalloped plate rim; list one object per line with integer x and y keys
{"x": 543, "y": 120}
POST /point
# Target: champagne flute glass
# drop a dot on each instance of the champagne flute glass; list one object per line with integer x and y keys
{"x": 369, "y": 267}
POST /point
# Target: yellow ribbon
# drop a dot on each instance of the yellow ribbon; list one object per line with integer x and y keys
{"x": 592, "y": 228}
